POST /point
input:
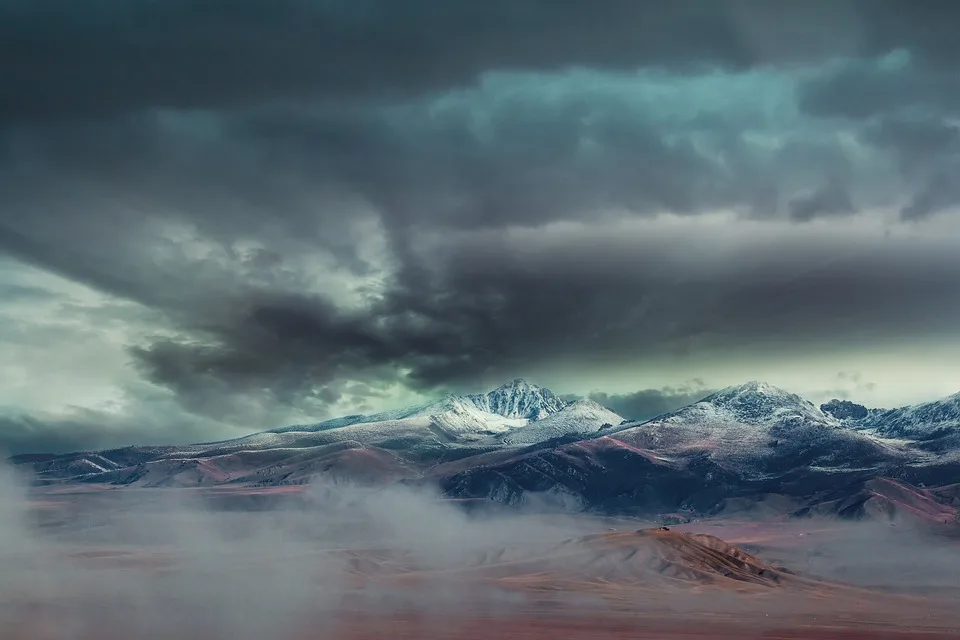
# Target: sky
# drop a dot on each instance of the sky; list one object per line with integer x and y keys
{"x": 223, "y": 216}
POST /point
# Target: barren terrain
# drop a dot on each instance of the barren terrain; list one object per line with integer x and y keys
{"x": 343, "y": 562}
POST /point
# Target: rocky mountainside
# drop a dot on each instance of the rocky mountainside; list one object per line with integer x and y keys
{"x": 926, "y": 421}
{"x": 760, "y": 429}
{"x": 583, "y": 417}
{"x": 451, "y": 426}
{"x": 520, "y": 442}
{"x": 519, "y": 399}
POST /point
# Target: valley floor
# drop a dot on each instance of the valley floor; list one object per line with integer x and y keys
{"x": 154, "y": 564}
{"x": 587, "y": 627}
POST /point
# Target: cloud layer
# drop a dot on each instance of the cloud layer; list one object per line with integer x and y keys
{"x": 212, "y": 226}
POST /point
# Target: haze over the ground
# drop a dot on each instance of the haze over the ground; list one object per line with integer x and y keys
{"x": 163, "y": 563}
{"x": 219, "y": 217}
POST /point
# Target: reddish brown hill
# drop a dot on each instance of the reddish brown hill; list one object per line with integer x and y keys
{"x": 647, "y": 559}
{"x": 891, "y": 500}
{"x": 654, "y": 555}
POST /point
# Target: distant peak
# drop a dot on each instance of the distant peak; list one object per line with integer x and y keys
{"x": 587, "y": 403}
{"x": 844, "y": 410}
{"x": 519, "y": 398}
{"x": 761, "y": 387}
{"x": 754, "y": 387}
{"x": 517, "y": 383}
{"x": 757, "y": 400}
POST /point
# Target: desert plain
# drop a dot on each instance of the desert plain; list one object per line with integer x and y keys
{"x": 341, "y": 561}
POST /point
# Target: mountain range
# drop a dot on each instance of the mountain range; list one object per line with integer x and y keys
{"x": 751, "y": 446}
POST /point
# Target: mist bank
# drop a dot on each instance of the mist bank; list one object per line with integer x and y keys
{"x": 162, "y": 563}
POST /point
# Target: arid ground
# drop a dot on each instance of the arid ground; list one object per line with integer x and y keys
{"x": 344, "y": 563}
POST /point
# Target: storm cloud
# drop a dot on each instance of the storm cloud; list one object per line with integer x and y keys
{"x": 217, "y": 217}
{"x": 650, "y": 403}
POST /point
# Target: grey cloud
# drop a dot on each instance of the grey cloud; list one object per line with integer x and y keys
{"x": 10, "y": 292}
{"x": 940, "y": 193}
{"x": 856, "y": 378}
{"x": 919, "y": 141}
{"x": 928, "y": 152}
{"x": 164, "y": 223}
{"x": 86, "y": 429}
{"x": 649, "y": 403}
{"x": 25, "y": 434}
{"x": 252, "y": 324}
{"x": 113, "y": 57}
{"x": 287, "y": 348}
{"x": 831, "y": 200}
{"x": 894, "y": 83}
{"x": 909, "y": 109}
{"x": 496, "y": 309}
{"x": 851, "y": 386}
{"x": 313, "y": 222}
{"x": 296, "y": 180}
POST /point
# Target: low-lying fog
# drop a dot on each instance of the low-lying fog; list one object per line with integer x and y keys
{"x": 165, "y": 563}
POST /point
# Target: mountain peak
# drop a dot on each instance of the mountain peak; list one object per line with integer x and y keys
{"x": 844, "y": 409}
{"x": 516, "y": 383}
{"x": 759, "y": 386}
{"x": 519, "y": 399}
{"x": 916, "y": 421}
{"x": 756, "y": 400}
{"x": 753, "y": 389}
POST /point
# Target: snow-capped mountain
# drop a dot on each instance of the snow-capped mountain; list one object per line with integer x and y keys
{"x": 583, "y": 416}
{"x": 737, "y": 443}
{"x": 915, "y": 422}
{"x": 759, "y": 427}
{"x": 759, "y": 402}
{"x": 844, "y": 410}
{"x": 452, "y": 420}
{"x": 479, "y": 420}
{"x": 519, "y": 399}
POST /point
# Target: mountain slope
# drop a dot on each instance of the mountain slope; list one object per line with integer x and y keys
{"x": 520, "y": 443}
{"x": 419, "y": 434}
{"x": 926, "y": 421}
{"x": 602, "y": 473}
{"x": 450, "y": 420}
{"x": 516, "y": 400}
{"x": 583, "y": 417}
{"x": 759, "y": 429}
{"x": 651, "y": 558}
{"x": 887, "y": 499}
{"x": 519, "y": 399}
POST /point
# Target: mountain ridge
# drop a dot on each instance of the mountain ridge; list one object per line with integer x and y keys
{"x": 916, "y": 421}
{"x": 517, "y": 399}
{"x": 519, "y": 439}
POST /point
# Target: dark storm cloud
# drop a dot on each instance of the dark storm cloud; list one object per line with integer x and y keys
{"x": 650, "y": 403}
{"x": 940, "y": 193}
{"x": 928, "y": 150}
{"x": 831, "y": 200}
{"x": 498, "y": 309}
{"x": 294, "y": 345}
{"x": 19, "y": 293}
{"x": 27, "y": 434}
{"x": 911, "y": 108}
{"x": 861, "y": 88}
{"x": 921, "y": 143}
{"x": 321, "y": 199}
{"x": 85, "y": 429}
{"x": 469, "y": 299}
{"x": 63, "y": 58}
{"x": 286, "y": 175}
